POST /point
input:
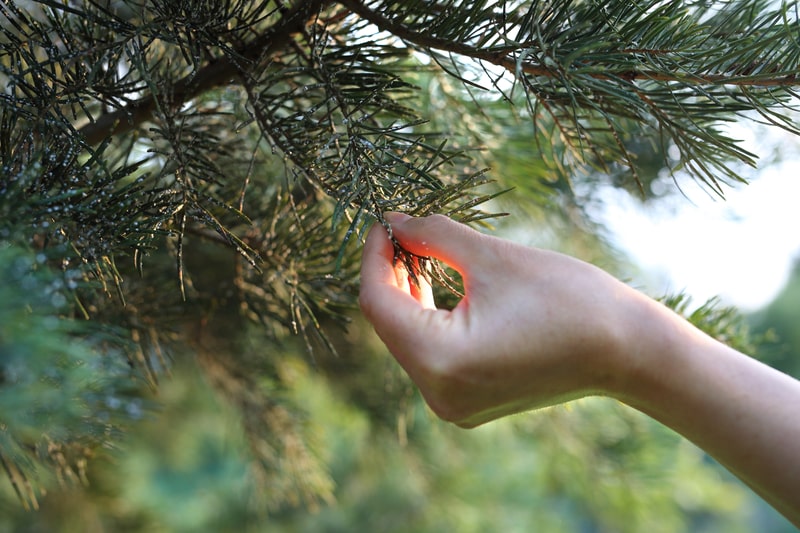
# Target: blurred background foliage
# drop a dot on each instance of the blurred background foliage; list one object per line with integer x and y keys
{"x": 385, "y": 463}
{"x": 179, "y": 345}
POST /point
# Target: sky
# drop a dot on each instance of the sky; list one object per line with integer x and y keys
{"x": 740, "y": 249}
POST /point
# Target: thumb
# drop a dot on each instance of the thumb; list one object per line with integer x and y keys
{"x": 440, "y": 237}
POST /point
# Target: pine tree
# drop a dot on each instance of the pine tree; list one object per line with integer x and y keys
{"x": 175, "y": 172}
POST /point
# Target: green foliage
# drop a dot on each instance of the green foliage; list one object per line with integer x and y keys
{"x": 602, "y": 74}
{"x": 778, "y": 322}
{"x": 188, "y": 182}
{"x": 592, "y": 466}
{"x": 64, "y": 391}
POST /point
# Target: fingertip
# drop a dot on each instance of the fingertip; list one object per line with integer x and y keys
{"x": 394, "y": 217}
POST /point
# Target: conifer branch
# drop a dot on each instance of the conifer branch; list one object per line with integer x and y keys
{"x": 216, "y": 73}
{"x": 504, "y": 57}
{"x": 301, "y": 122}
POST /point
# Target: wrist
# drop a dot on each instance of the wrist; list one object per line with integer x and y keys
{"x": 668, "y": 362}
{"x": 649, "y": 341}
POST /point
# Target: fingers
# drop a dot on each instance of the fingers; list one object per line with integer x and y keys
{"x": 387, "y": 297}
{"x": 438, "y": 236}
{"x": 392, "y": 303}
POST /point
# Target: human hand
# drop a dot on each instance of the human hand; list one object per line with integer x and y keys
{"x": 537, "y": 328}
{"x": 534, "y": 328}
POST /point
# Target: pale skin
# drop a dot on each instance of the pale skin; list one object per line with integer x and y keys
{"x": 537, "y": 328}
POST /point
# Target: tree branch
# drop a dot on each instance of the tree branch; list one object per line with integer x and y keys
{"x": 215, "y": 74}
{"x": 501, "y": 57}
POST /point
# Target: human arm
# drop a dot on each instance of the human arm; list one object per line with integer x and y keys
{"x": 536, "y": 328}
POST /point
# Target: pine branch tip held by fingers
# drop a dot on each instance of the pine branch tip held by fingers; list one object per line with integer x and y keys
{"x": 421, "y": 267}
{"x": 415, "y": 265}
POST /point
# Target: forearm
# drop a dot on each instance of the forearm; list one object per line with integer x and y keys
{"x": 740, "y": 411}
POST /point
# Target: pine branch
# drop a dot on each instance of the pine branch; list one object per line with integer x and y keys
{"x": 220, "y": 71}
{"x": 216, "y": 73}
{"x": 594, "y": 69}
{"x": 515, "y": 60}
